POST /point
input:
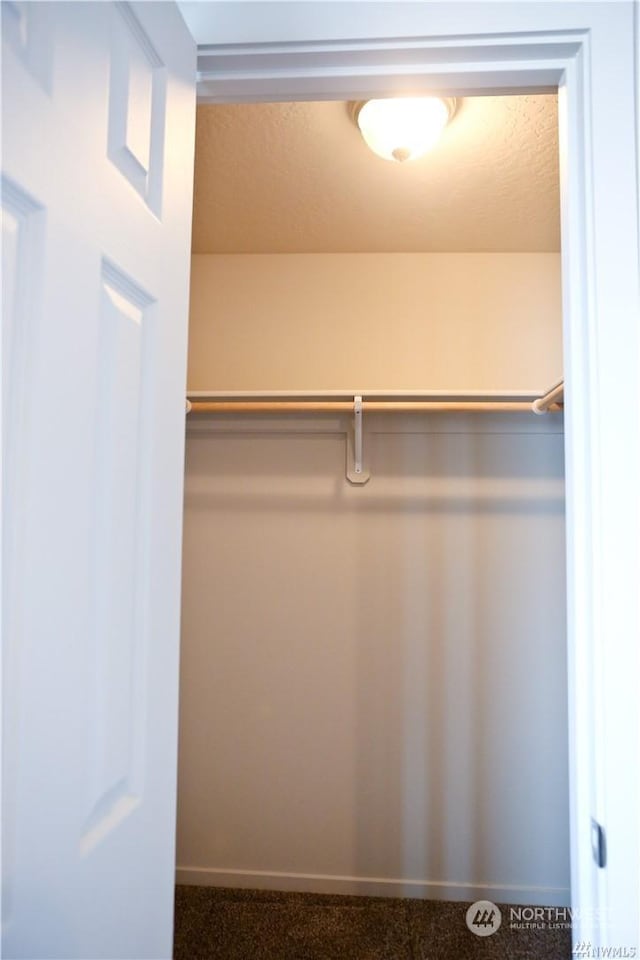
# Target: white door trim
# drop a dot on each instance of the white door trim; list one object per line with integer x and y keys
{"x": 584, "y": 54}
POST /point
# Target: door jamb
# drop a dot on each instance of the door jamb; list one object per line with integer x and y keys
{"x": 500, "y": 64}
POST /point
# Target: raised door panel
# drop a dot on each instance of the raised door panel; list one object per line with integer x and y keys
{"x": 120, "y": 551}
{"x": 137, "y": 96}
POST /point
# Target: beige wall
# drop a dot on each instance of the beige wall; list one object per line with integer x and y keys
{"x": 375, "y": 321}
{"x": 373, "y": 679}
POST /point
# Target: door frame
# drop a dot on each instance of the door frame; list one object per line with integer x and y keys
{"x": 580, "y": 50}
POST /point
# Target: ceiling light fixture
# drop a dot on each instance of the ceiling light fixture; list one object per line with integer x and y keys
{"x": 403, "y": 128}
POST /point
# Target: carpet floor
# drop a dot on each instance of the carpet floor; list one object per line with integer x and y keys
{"x": 222, "y": 924}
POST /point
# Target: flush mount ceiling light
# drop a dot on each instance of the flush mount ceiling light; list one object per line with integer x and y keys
{"x": 403, "y": 128}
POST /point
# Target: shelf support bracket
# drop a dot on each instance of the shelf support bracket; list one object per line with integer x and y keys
{"x": 357, "y": 471}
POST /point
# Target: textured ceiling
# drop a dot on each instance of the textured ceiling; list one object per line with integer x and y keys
{"x": 298, "y": 178}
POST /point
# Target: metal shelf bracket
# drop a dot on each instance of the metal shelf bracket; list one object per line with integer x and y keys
{"x": 357, "y": 470}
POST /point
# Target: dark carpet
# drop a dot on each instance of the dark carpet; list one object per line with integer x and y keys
{"x": 222, "y": 924}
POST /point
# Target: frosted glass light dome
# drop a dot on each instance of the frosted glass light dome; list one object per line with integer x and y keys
{"x": 403, "y": 128}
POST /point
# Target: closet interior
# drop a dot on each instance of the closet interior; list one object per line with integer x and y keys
{"x": 373, "y": 663}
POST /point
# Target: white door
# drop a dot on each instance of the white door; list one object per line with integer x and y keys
{"x": 97, "y": 166}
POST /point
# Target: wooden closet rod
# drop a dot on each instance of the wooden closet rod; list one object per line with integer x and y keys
{"x": 551, "y": 399}
{"x": 368, "y": 406}
{"x": 375, "y": 402}
{"x": 356, "y": 404}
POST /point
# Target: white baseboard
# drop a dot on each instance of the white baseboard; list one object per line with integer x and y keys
{"x": 373, "y": 886}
